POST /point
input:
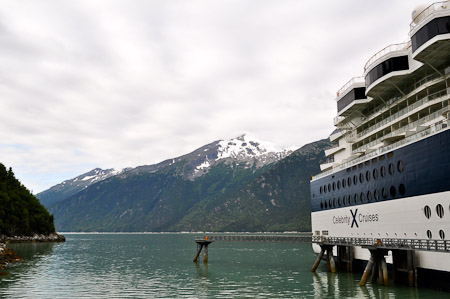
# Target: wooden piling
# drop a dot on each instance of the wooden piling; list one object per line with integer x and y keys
{"x": 205, "y": 254}
{"x": 318, "y": 259}
{"x": 331, "y": 262}
{"x": 412, "y": 275}
{"x": 367, "y": 271}
{"x": 199, "y": 249}
{"x": 385, "y": 270}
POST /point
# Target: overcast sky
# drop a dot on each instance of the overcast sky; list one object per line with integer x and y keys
{"x": 114, "y": 84}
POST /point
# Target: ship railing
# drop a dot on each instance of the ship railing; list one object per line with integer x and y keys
{"x": 385, "y": 51}
{"x": 428, "y": 11}
{"x": 404, "y": 111}
{"x": 343, "y": 89}
{"x": 439, "y": 126}
{"x": 386, "y": 243}
{"x": 421, "y": 121}
{"x": 413, "y": 87}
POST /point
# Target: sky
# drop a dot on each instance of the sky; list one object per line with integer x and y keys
{"x": 118, "y": 83}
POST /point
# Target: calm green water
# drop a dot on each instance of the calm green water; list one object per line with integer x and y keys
{"x": 160, "y": 266}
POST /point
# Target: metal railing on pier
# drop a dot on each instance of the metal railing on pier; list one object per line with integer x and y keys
{"x": 302, "y": 238}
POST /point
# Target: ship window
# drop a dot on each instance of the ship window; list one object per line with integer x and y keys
{"x": 321, "y": 190}
{"x": 349, "y": 181}
{"x": 376, "y": 194}
{"x": 329, "y": 187}
{"x": 350, "y": 200}
{"x": 360, "y": 165}
{"x": 392, "y": 191}
{"x": 402, "y": 189}
{"x": 356, "y": 198}
{"x": 362, "y": 197}
{"x": 344, "y": 200}
{"x": 355, "y": 179}
{"x": 321, "y": 205}
{"x": 391, "y": 169}
{"x": 338, "y": 185}
{"x": 361, "y": 178}
{"x": 367, "y": 163}
{"x": 334, "y": 186}
{"x": 374, "y": 160}
{"x": 369, "y": 196}
{"x": 354, "y": 167}
{"x": 383, "y": 171}
{"x": 429, "y": 234}
{"x": 344, "y": 182}
{"x": 427, "y": 211}
{"x": 440, "y": 210}
{"x": 375, "y": 173}
{"x": 330, "y": 203}
{"x": 348, "y": 169}
{"x": 325, "y": 204}
{"x": 367, "y": 175}
{"x": 384, "y": 193}
{"x": 390, "y": 155}
{"x": 339, "y": 201}
{"x": 400, "y": 166}
{"x": 382, "y": 158}
{"x": 441, "y": 234}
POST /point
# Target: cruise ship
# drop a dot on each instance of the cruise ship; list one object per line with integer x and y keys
{"x": 388, "y": 175}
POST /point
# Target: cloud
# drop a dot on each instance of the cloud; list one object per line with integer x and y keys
{"x": 117, "y": 83}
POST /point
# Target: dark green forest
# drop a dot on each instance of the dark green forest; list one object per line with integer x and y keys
{"x": 21, "y": 213}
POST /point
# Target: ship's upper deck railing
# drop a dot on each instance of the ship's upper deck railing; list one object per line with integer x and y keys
{"x": 428, "y": 11}
{"x": 343, "y": 89}
{"x": 387, "y": 148}
{"x": 388, "y": 49}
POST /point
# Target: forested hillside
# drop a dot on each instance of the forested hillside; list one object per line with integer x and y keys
{"x": 21, "y": 213}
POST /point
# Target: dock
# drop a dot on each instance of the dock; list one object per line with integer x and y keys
{"x": 376, "y": 269}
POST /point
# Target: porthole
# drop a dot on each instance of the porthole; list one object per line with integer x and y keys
{"x": 367, "y": 163}
{"x": 375, "y": 174}
{"x": 384, "y": 193}
{"x": 321, "y": 205}
{"x": 325, "y": 189}
{"x": 402, "y": 189}
{"x": 362, "y": 197}
{"x": 367, "y": 175}
{"x": 390, "y": 155}
{"x": 440, "y": 210}
{"x": 383, "y": 171}
{"x": 369, "y": 196}
{"x": 334, "y": 202}
{"x": 360, "y": 165}
{"x": 391, "y": 169}
{"x": 355, "y": 179}
{"x": 355, "y": 198}
{"x": 442, "y": 234}
{"x": 344, "y": 200}
{"x": 339, "y": 201}
{"x": 354, "y": 167}
{"x": 344, "y": 183}
{"x": 349, "y": 181}
{"x": 325, "y": 204}
{"x": 334, "y": 186}
{"x": 350, "y": 200}
{"x": 374, "y": 160}
{"x": 361, "y": 178}
{"x": 429, "y": 234}
{"x": 330, "y": 204}
{"x": 382, "y": 158}
{"x": 427, "y": 211}
{"x": 321, "y": 189}
{"x": 392, "y": 191}
{"x": 329, "y": 187}
{"x": 338, "y": 185}
{"x": 400, "y": 166}
{"x": 376, "y": 194}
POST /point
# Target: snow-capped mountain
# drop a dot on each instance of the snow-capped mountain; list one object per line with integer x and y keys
{"x": 72, "y": 186}
{"x": 244, "y": 150}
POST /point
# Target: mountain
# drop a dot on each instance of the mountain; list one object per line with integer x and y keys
{"x": 238, "y": 184}
{"x": 73, "y": 186}
{"x": 21, "y": 214}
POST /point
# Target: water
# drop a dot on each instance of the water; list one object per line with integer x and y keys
{"x": 160, "y": 266}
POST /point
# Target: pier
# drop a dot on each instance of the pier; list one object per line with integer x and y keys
{"x": 376, "y": 269}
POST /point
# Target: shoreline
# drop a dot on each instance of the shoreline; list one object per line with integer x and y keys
{"x": 8, "y": 256}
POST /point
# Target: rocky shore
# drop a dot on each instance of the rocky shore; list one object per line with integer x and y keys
{"x": 54, "y": 237}
{"x": 8, "y": 255}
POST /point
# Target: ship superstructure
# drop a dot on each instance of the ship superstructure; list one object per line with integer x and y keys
{"x": 389, "y": 174}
